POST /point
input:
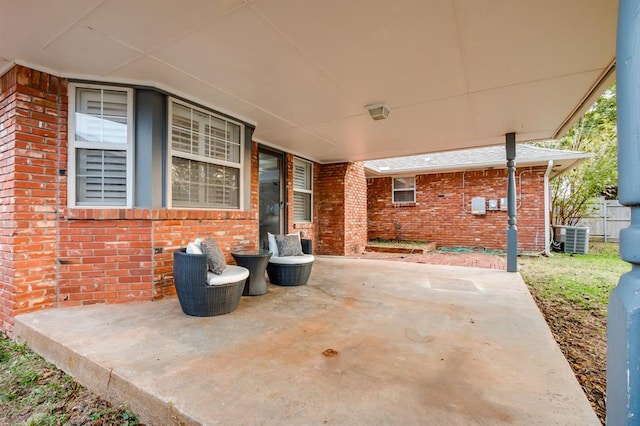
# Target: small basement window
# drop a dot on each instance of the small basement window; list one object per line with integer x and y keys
{"x": 404, "y": 190}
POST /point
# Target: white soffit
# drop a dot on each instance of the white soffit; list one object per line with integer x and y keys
{"x": 303, "y": 143}
{"x": 400, "y": 132}
{"x": 256, "y": 63}
{"x": 456, "y": 73}
{"x": 27, "y": 27}
{"x": 401, "y": 52}
{"x": 179, "y": 83}
{"x": 5, "y": 66}
{"x": 78, "y": 46}
{"x": 506, "y": 42}
{"x": 148, "y": 25}
{"x": 509, "y": 109}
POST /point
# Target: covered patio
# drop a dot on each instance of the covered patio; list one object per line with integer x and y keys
{"x": 365, "y": 342}
{"x": 297, "y": 81}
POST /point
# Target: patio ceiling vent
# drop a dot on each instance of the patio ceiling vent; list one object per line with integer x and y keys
{"x": 379, "y": 111}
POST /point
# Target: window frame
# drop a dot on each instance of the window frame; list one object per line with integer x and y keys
{"x": 303, "y": 191}
{"x": 171, "y": 153}
{"x": 74, "y": 145}
{"x": 395, "y": 190}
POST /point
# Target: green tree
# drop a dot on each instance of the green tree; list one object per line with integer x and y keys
{"x": 573, "y": 192}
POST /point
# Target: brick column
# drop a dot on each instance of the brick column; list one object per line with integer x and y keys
{"x": 7, "y": 146}
{"x": 355, "y": 232}
{"x": 33, "y": 117}
{"x": 342, "y": 209}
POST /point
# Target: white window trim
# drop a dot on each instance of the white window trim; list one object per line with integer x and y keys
{"x": 170, "y": 155}
{"x": 305, "y": 191}
{"x": 73, "y": 145}
{"x": 394, "y": 190}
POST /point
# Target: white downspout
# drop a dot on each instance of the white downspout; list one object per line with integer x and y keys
{"x": 547, "y": 210}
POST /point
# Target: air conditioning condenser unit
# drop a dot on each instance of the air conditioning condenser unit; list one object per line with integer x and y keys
{"x": 576, "y": 239}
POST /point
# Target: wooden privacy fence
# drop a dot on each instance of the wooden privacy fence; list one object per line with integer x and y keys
{"x": 606, "y": 219}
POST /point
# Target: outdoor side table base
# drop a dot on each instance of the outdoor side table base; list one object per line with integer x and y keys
{"x": 256, "y": 262}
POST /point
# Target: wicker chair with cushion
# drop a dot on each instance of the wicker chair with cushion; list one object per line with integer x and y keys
{"x": 202, "y": 293}
{"x": 288, "y": 265}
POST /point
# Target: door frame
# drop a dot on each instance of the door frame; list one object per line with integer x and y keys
{"x": 283, "y": 185}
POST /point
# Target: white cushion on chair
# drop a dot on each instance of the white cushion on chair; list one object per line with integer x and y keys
{"x": 231, "y": 274}
{"x": 292, "y": 260}
{"x": 194, "y": 248}
{"x": 273, "y": 247}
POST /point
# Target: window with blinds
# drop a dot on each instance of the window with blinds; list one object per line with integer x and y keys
{"x": 101, "y": 177}
{"x": 100, "y": 146}
{"x": 302, "y": 190}
{"x": 404, "y": 190}
{"x": 206, "y": 158}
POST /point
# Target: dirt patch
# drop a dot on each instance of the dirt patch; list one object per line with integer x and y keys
{"x": 330, "y": 352}
{"x": 399, "y": 247}
{"x": 470, "y": 259}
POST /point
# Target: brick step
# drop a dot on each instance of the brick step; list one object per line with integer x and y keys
{"x": 427, "y": 247}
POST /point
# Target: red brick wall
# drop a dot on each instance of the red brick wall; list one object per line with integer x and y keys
{"x": 331, "y": 209}
{"x": 53, "y": 256}
{"x": 439, "y": 216}
{"x": 103, "y": 260}
{"x": 8, "y": 88}
{"x": 34, "y": 118}
{"x": 342, "y": 209}
{"x": 233, "y": 231}
{"x": 355, "y": 231}
{"x": 123, "y": 255}
{"x": 117, "y": 256}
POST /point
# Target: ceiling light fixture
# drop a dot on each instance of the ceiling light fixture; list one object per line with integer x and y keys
{"x": 379, "y": 111}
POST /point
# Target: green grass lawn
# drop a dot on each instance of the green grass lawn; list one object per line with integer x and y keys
{"x": 33, "y": 392}
{"x": 572, "y": 292}
{"x": 583, "y": 280}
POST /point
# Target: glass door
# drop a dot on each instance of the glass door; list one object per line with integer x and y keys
{"x": 271, "y": 194}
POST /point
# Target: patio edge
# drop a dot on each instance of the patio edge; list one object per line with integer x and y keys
{"x": 101, "y": 380}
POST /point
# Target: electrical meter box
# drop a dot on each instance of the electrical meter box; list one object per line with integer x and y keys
{"x": 503, "y": 204}
{"x": 478, "y": 206}
{"x": 492, "y": 205}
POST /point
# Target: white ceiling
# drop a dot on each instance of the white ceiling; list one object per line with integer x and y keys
{"x": 456, "y": 73}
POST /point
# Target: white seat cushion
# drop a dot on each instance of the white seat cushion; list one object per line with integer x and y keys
{"x": 231, "y": 274}
{"x": 292, "y": 260}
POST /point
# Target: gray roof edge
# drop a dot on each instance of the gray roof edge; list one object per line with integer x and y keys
{"x": 576, "y": 156}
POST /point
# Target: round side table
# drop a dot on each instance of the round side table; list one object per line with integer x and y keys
{"x": 256, "y": 262}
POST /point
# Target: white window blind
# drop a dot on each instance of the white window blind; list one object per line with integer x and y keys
{"x": 302, "y": 190}
{"x": 101, "y": 116}
{"x": 404, "y": 190}
{"x": 101, "y": 177}
{"x": 101, "y": 138}
{"x": 205, "y": 159}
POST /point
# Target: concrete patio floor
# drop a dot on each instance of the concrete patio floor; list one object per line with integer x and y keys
{"x": 366, "y": 342}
